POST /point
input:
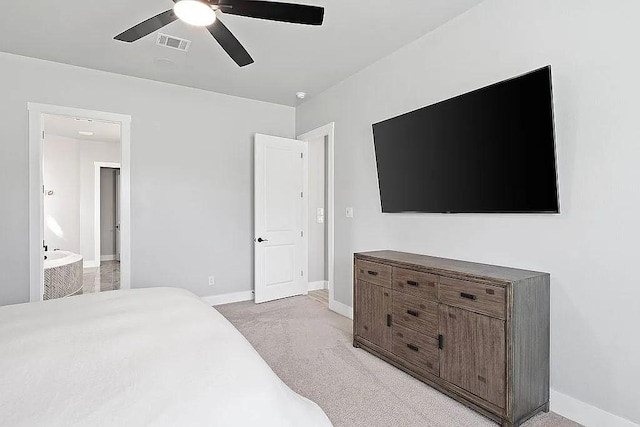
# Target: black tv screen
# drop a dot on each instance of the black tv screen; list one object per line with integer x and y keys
{"x": 490, "y": 150}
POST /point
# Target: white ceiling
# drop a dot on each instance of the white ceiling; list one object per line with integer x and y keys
{"x": 69, "y": 127}
{"x": 288, "y": 57}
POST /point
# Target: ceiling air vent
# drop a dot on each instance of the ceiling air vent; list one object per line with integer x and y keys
{"x": 173, "y": 42}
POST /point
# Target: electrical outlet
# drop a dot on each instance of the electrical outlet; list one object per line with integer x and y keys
{"x": 212, "y": 280}
{"x": 349, "y": 212}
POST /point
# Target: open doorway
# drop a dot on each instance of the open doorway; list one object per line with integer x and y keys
{"x": 79, "y": 173}
{"x": 318, "y": 233}
{"x": 105, "y": 276}
{"x": 78, "y": 191}
{"x": 320, "y": 216}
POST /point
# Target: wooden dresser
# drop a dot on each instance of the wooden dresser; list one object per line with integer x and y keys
{"x": 478, "y": 333}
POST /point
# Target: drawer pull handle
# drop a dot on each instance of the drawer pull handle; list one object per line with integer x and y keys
{"x": 440, "y": 342}
{"x": 413, "y": 347}
{"x": 373, "y": 273}
{"x": 468, "y": 296}
{"x": 388, "y": 320}
{"x": 414, "y": 313}
{"x": 412, "y": 283}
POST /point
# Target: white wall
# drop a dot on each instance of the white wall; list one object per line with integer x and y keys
{"x": 91, "y": 152}
{"x": 107, "y": 211}
{"x": 591, "y": 248}
{"x": 191, "y": 173}
{"x": 69, "y": 171}
{"x": 61, "y": 168}
{"x": 317, "y": 231}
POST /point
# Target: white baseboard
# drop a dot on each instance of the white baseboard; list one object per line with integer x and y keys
{"x": 341, "y": 309}
{"x": 583, "y": 413}
{"x": 90, "y": 264}
{"x": 320, "y": 284}
{"x": 107, "y": 257}
{"x": 228, "y": 298}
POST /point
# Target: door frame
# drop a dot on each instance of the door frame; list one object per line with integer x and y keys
{"x": 96, "y": 206}
{"x": 118, "y": 236}
{"x": 36, "y": 196}
{"x": 328, "y": 131}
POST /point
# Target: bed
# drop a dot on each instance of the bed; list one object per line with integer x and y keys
{"x": 143, "y": 357}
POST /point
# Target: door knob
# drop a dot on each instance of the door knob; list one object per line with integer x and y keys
{"x": 260, "y": 240}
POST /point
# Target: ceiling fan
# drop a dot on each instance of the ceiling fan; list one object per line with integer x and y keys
{"x": 202, "y": 13}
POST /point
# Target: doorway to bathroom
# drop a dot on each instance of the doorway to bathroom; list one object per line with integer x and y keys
{"x": 81, "y": 166}
{"x": 80, "y": 162}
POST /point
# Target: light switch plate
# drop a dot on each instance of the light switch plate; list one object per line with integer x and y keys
{"x": 349, "y": 212}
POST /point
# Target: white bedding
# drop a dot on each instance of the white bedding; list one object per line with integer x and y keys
{"x": 144, "y": 357}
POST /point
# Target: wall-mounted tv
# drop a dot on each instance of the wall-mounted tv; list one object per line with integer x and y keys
{"x": 487, "y": 151}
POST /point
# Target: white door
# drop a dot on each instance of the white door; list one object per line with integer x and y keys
{"x": 117, "y": 224}
{"x": 280, "y": 166}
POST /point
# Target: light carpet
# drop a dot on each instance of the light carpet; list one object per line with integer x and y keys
{"x": 310, "y": 348}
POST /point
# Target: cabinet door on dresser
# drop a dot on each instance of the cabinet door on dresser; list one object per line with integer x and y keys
{"x": 373, "y": 313}
{"x": 473, "y": 353}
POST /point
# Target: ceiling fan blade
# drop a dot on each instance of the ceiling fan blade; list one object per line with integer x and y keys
{"x": 230, "y": 43}
{"x": 147, "y": 27}
{"x": 274, "y": 11}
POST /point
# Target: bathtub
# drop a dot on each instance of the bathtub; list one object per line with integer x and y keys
{"x": 62, "y": 274}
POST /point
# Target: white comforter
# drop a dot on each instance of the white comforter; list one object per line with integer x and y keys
{"x": 145, "y": 357}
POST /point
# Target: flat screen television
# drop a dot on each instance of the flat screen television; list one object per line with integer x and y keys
{"x": 487, "y": 151}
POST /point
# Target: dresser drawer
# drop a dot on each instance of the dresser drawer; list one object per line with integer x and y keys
{"x": 417, "y": 348}
{"x": 415, "y": 313}
{"x": 477, "y": 297}
{"x": 372, "y": 272}
{"x": 421, "y": 285}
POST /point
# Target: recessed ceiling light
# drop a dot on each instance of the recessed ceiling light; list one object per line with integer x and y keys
{"x": 301, "y": 95}
{"x": 85, "y": 133}
{"x": 195, "y": 12}
{"x": 165, "y": 64}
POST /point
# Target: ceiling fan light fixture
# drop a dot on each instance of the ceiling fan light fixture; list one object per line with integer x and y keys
{"x": 195, "y": 12}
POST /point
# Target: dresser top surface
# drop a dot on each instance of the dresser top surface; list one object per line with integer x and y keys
{"x": 436, "y": 264}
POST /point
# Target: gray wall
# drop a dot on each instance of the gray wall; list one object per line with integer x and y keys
{"x": 591, "y": 248}
{"x": 191, "y": 173}
{"x": 107, "y": 211}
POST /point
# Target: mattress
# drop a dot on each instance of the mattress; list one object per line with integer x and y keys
{"x": 143, "y": 357}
